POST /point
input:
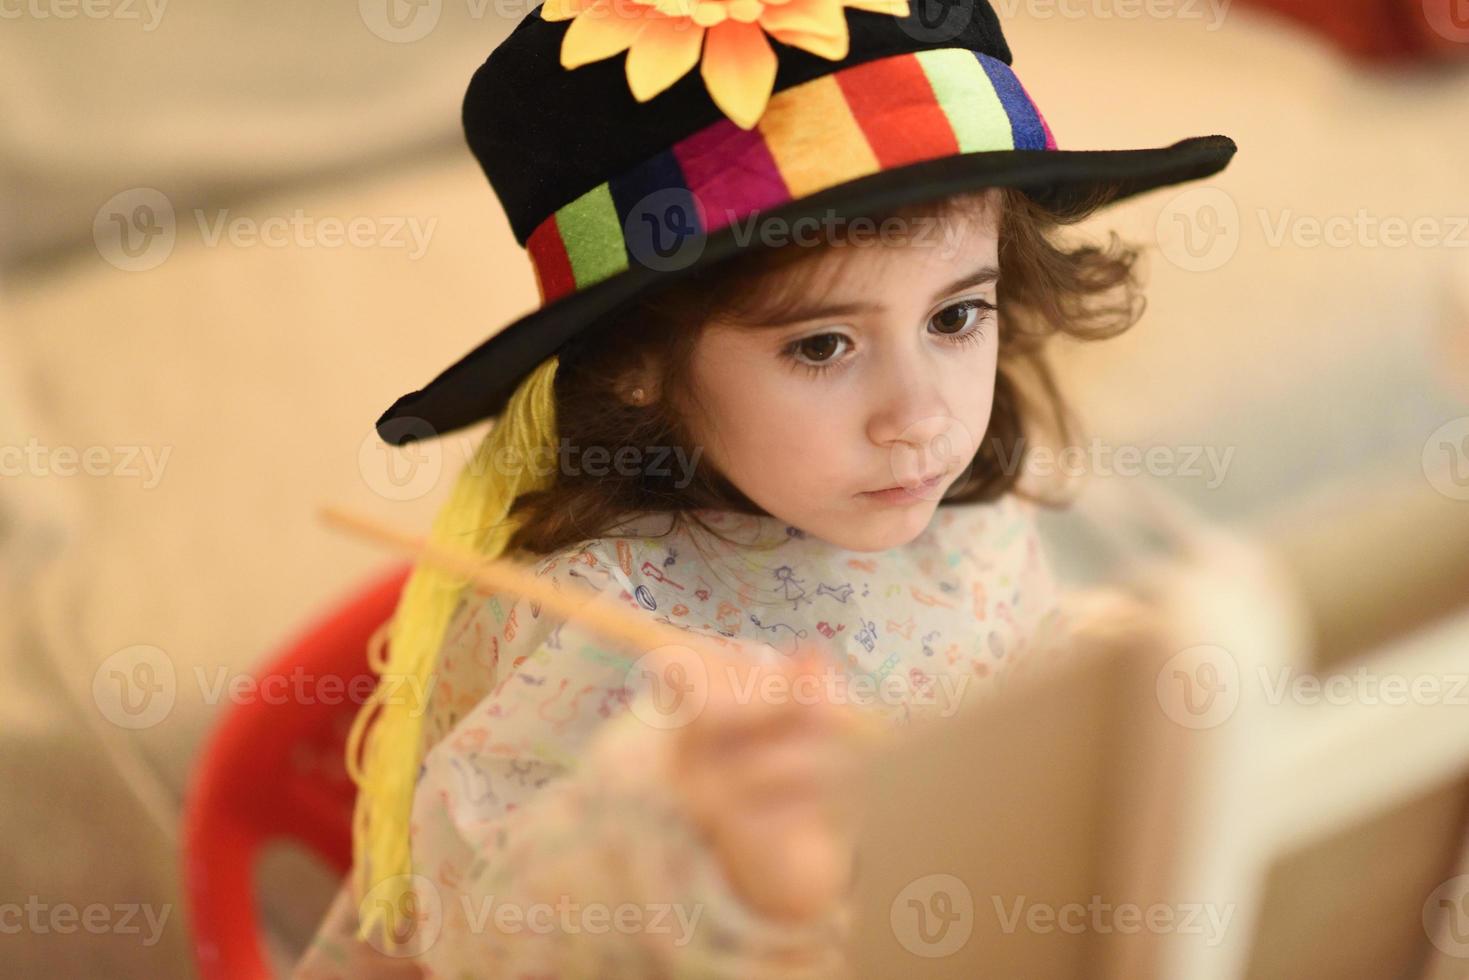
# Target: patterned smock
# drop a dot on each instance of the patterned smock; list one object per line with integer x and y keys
{"x": 545, "y": 841}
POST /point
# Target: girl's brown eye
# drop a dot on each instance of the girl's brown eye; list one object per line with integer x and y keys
{"x": 820, "y": 347}
{"x": 952, "y": 319}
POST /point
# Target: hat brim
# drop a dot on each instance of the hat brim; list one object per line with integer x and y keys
{"x": 479, "y": 384}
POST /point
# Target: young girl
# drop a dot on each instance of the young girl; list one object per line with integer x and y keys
{"x": 778, "y": 395}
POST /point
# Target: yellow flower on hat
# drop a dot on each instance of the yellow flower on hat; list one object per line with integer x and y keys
{"x": 664, "y": 38}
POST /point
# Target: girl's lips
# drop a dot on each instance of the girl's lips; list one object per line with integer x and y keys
{"x": 906, "y": 495}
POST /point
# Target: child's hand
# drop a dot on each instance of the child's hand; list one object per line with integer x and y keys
{"x": 769, "y": 773}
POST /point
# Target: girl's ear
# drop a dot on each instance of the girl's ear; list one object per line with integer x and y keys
{"x": 639, "y": 386}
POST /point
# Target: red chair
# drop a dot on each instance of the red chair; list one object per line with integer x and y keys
{"x": 273, "y": 770}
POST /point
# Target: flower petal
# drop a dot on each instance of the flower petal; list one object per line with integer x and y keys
{"x": 708, "y": 14}
{"x": 739, "y": 71}
{"x": 898, "y": 8}
{"x": 824, "y": 17}
{"x": 662, "y": 54}
{"x": 744, "y": 11}
{"x": 831, "y": 48}
{"x": 604, "y": 29}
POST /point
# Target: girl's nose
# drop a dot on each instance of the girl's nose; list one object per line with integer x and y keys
{"x": 912, "y": 412}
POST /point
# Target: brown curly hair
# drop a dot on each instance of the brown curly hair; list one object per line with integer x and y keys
{"x": 1087, "y": 292}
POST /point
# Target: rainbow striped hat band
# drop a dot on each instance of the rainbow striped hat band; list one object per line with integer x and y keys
{"x": 867, "y": 118}
{"x": 630, "y": 140}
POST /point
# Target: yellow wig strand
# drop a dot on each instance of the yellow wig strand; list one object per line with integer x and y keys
{"x": 387, "y": 733}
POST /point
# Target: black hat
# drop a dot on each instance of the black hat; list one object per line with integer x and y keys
{"x": 620, "y": 174}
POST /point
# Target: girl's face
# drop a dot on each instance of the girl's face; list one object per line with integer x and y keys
{"x": 885, "y": 381}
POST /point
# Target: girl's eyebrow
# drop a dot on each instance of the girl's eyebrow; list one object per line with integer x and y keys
{"x": 979, "y": 277}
